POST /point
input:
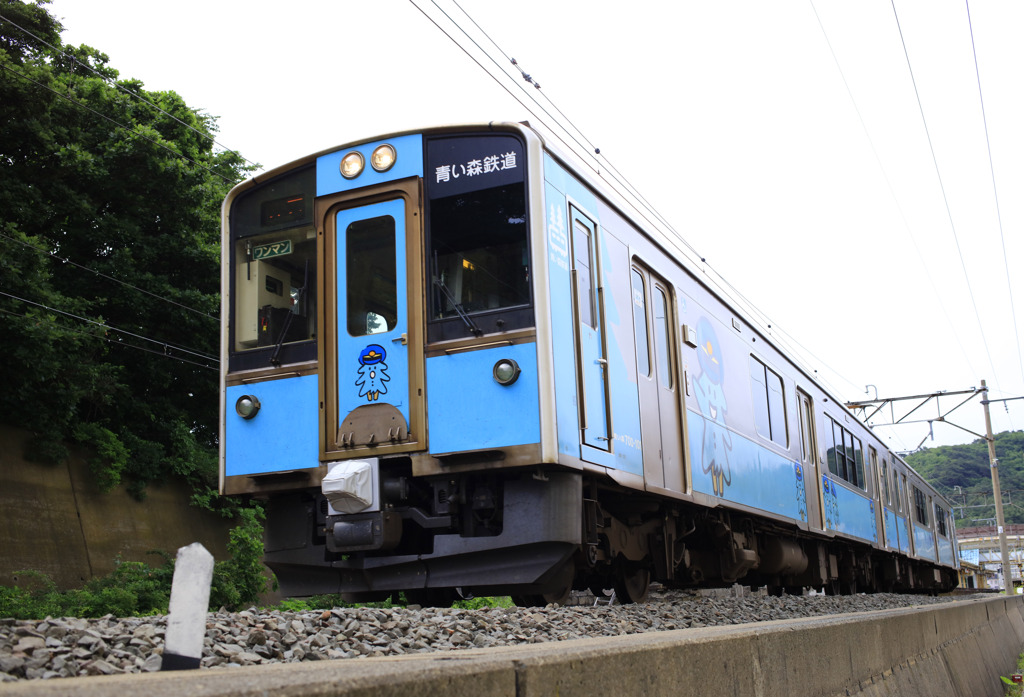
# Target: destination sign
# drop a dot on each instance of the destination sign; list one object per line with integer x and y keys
{"x": 462, "y": 164}
{"x": 274, "y": 249}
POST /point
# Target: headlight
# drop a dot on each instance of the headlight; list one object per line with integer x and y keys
{"x": 383, "y": 158}
{"x": 506, "y": 371}
{"x": 352, "y": 165}
{"x": 247, "y": 406}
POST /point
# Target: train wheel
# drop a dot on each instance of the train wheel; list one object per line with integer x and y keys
{"x": 432, "y": 597}
{"x": 528, "y": 600}
{"x": 558, "y": 592}
{"x": 632, "y": 584}
{"x": 542, "y": 599}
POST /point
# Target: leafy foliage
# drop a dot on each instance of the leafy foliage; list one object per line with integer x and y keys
{"x": 109, "y": 260}
{"x": 240, "y": 580}
{"x": 132, "y": 589}
{"x": 962, "y": 473}
{"x": 135, "y": 588}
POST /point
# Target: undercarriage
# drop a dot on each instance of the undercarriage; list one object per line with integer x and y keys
{"x": 538, "y": 534}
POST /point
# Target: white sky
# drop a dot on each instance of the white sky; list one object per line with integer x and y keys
{"x": 731, "y": 118}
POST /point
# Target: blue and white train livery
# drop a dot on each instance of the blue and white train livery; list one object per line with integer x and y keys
{"x": 452, "y": 360}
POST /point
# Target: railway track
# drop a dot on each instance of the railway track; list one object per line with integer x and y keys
{"x": 972, "y": 640}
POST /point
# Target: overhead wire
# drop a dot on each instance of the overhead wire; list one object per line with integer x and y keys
{"x": 165, "y": 344}
{"x": 942, "y": 188}
{"x": 483, "y": 67}
{"x": 642, "y": 206}
{"x": 162, "y": 354}
{"x": 65, "y": 260}
{"x": 995, "y": 189}
{"x": 591, "y": 150}
{"x": 117, "y": 123}
{"x": 136, "y": 95}
{"x": 892, "y": 190}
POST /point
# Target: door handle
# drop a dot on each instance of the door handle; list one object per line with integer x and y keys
{"x": 404, "y": 338}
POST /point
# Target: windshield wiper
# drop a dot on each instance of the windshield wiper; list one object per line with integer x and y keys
{"x": 274, "y": 360}
{"x": 458, "y": 307}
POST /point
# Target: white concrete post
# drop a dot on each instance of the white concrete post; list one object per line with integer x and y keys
{"x": 186, "y": 618}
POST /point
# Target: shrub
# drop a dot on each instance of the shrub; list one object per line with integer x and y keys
{"x": 136, "y": 588}
{"x": 240, "y": 580}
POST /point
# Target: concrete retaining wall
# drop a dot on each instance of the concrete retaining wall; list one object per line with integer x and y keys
{"x": 957, "y": 649}
{"x": 55, "y": 520}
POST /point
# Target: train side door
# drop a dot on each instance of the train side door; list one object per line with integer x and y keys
{"x": 592, "y": 364}
{"x": 907, "y": 542}
{"x": 373, "y": 377}
{"x": 657, "y": 381}
{"x": 890, "y": 534}
{"x": 809, "y": 459}
{"x": 880, "y": 536}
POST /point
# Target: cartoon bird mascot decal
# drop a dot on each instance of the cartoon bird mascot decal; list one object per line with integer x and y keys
{"x": 373, "y": 372}
{"x": 717, "y": 442}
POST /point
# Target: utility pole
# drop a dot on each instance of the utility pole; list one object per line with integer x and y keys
{"x": 994, "y": 462}
{"x": 924, "y": 399}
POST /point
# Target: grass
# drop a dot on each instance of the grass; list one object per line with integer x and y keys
{"x": 1012, "y": 689}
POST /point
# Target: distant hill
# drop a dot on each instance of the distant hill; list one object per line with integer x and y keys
{"x": 967, "y": 467}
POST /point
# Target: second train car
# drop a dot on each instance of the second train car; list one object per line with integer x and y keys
{"x": 452, "y": 362}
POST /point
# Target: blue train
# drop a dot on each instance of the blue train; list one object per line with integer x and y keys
{"x": 453, "y": 363}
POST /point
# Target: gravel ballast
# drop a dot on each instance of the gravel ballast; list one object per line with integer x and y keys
{"x": 67, "y": 647}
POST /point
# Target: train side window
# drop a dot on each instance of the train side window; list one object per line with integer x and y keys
{"x": 940, "y": 520}
{"x": 777, "y": 409}
{"x": 886, "y": 493}
{"x": 769, "y": 403}
{"x": 858, "y": 460}
{"x": 662, "y": 344}
{"x": 584, "y": 274}
{"x": 806, "y": 416}
{"x": 643, "y": 348}
{"x": 845, "y": 455}
{"x": 920, "y": 507}
{"x": 897, "y": 492}
{"x": 759, "y": 391}
{"x": 873, "y": 462}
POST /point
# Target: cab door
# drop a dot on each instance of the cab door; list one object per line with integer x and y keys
{"x": 373, "y": 358}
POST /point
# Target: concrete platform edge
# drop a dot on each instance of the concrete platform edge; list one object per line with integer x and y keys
{"x": 957, "y": 649}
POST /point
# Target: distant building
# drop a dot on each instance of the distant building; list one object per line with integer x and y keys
{"x": 981, "y": 559}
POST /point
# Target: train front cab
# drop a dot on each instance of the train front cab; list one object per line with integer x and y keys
{"x": 384, "y": 391}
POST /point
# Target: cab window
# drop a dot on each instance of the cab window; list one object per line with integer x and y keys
{"x": 273, "y": 266}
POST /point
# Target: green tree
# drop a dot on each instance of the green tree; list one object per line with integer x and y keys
{"x": 963, "y": 473}
{"x": 109, "y": 259}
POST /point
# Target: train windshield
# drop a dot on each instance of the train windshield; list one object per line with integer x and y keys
{"x": 478, "y": 242}
{"x": 273, "y": 272}
{"x": 479, "y": 252}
